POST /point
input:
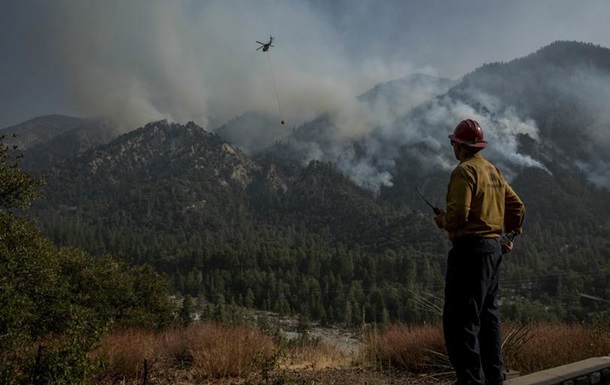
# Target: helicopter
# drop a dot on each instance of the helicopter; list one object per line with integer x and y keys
{"x": 265, "y": 46}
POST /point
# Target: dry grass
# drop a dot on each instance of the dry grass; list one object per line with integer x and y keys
{"x": 124, "y": 352}
{"x": 416, "y": 349}
{"x": 220, "y": 351}
{"x": 307, "y": 353}
{"x": 206, "y": 352}
{"x": 550, "y": 345}
{"x": 527, "y": 348}
{"x": 209, "y": 352}
{"x": 203, "y": 351}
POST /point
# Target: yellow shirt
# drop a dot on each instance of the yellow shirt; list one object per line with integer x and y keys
{"x": 480, "y": 201}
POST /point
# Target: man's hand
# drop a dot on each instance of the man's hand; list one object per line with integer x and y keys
{"x": 440, "y": 220}
{"x": 507, "y": 247}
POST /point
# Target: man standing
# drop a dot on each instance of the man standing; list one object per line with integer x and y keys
{"x": 480, "y": 207}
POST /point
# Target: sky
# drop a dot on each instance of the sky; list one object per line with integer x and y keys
{"x": 143, "y": 60}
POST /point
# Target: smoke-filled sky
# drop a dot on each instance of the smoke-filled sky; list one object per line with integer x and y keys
{"x": 143, "y": 60}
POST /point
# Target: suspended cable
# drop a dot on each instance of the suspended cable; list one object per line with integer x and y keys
{"x": 279, "y": 107}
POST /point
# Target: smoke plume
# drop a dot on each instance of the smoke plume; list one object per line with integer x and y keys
{"x": 182, "y": 60}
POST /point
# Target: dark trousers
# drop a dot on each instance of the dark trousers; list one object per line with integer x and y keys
{"x": 471, "y": 320}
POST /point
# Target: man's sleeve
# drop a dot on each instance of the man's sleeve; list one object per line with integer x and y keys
{"x": 459, "y": 194}
{"x": 514, "y": 212}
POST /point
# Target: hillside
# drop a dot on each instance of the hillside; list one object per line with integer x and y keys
{"x": 326, "y": 221}
{"x": 563, "y": 88}
{"x": 252, "y": 132}
{"x": 48, "y": 140}
{"x": 222, "y": 224}
{"x": 40, "y": 129}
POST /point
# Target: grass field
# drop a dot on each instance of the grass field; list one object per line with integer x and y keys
{"x": 222, "y": 353}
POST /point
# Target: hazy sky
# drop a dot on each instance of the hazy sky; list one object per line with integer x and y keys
{"x": 142, "y": 60}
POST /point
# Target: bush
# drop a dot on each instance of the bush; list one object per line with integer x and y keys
{"x": 56, "y": 302}
{"x": 554, "y": 344}
{"x": 205, "y": 350}
{"x": 416, "y": 349}
{"x": 527, "y": 348}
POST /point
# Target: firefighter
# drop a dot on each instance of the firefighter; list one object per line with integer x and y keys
{"x": 480, "y": 207}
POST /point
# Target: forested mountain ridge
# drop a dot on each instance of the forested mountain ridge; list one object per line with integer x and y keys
{"x": 334, "y": 228}
{"x": 563, "y": 87}
{"x": 155, "y": 173}
{"x": 53, "y": 138}
{"x": 224, "y": 225}
{"x": 41, "y": 129}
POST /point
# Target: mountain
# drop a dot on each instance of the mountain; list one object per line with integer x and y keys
{"x": 40, "y": 129}
{"x": 47, "y": 140}
{"x": 347, "y": 138}
{"x": 223, "y": 224}
{"x": 380, "y": 105}
{"x": 563, "y": 88}
{"x": 545, "y": 119}
{"x": 165, "y": 173}
{"x": 327, "y": 222}
{"x": 252, "y": 132}
{"x": 401, "y": 95}
{"x": 154, "y": 174}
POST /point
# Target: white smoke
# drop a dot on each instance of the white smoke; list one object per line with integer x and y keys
{"x": 181, "y": 60}
{"x": 139, "y": 61}
{"x": 423, "y": 131}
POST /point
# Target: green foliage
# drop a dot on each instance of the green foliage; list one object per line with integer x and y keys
{"x": 32, "y": 293}
{"x": 56, "y": 302}
{"x": 16, "y": 185}
{"x": 67, "y": 361}
{"x": 325, "y": 248}
{"x": 187, "y": 310}
{"x": 269, "y": 369}
{"x": 270, "y": 234}
{"x": 114, "y": 292}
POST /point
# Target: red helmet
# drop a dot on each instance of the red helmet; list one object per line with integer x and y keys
{"x": 469, "y": 132}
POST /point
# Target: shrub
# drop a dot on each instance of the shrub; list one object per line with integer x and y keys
{"x": 527, "y": 348}
{"x": 205, "y": 350}
{"x": 551, "y": 344}
{"x": 56, "y": 302}
{"x": 417, "y": 349}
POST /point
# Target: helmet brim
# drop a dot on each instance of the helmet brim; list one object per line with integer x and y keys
{"x": 479, "y": 144}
